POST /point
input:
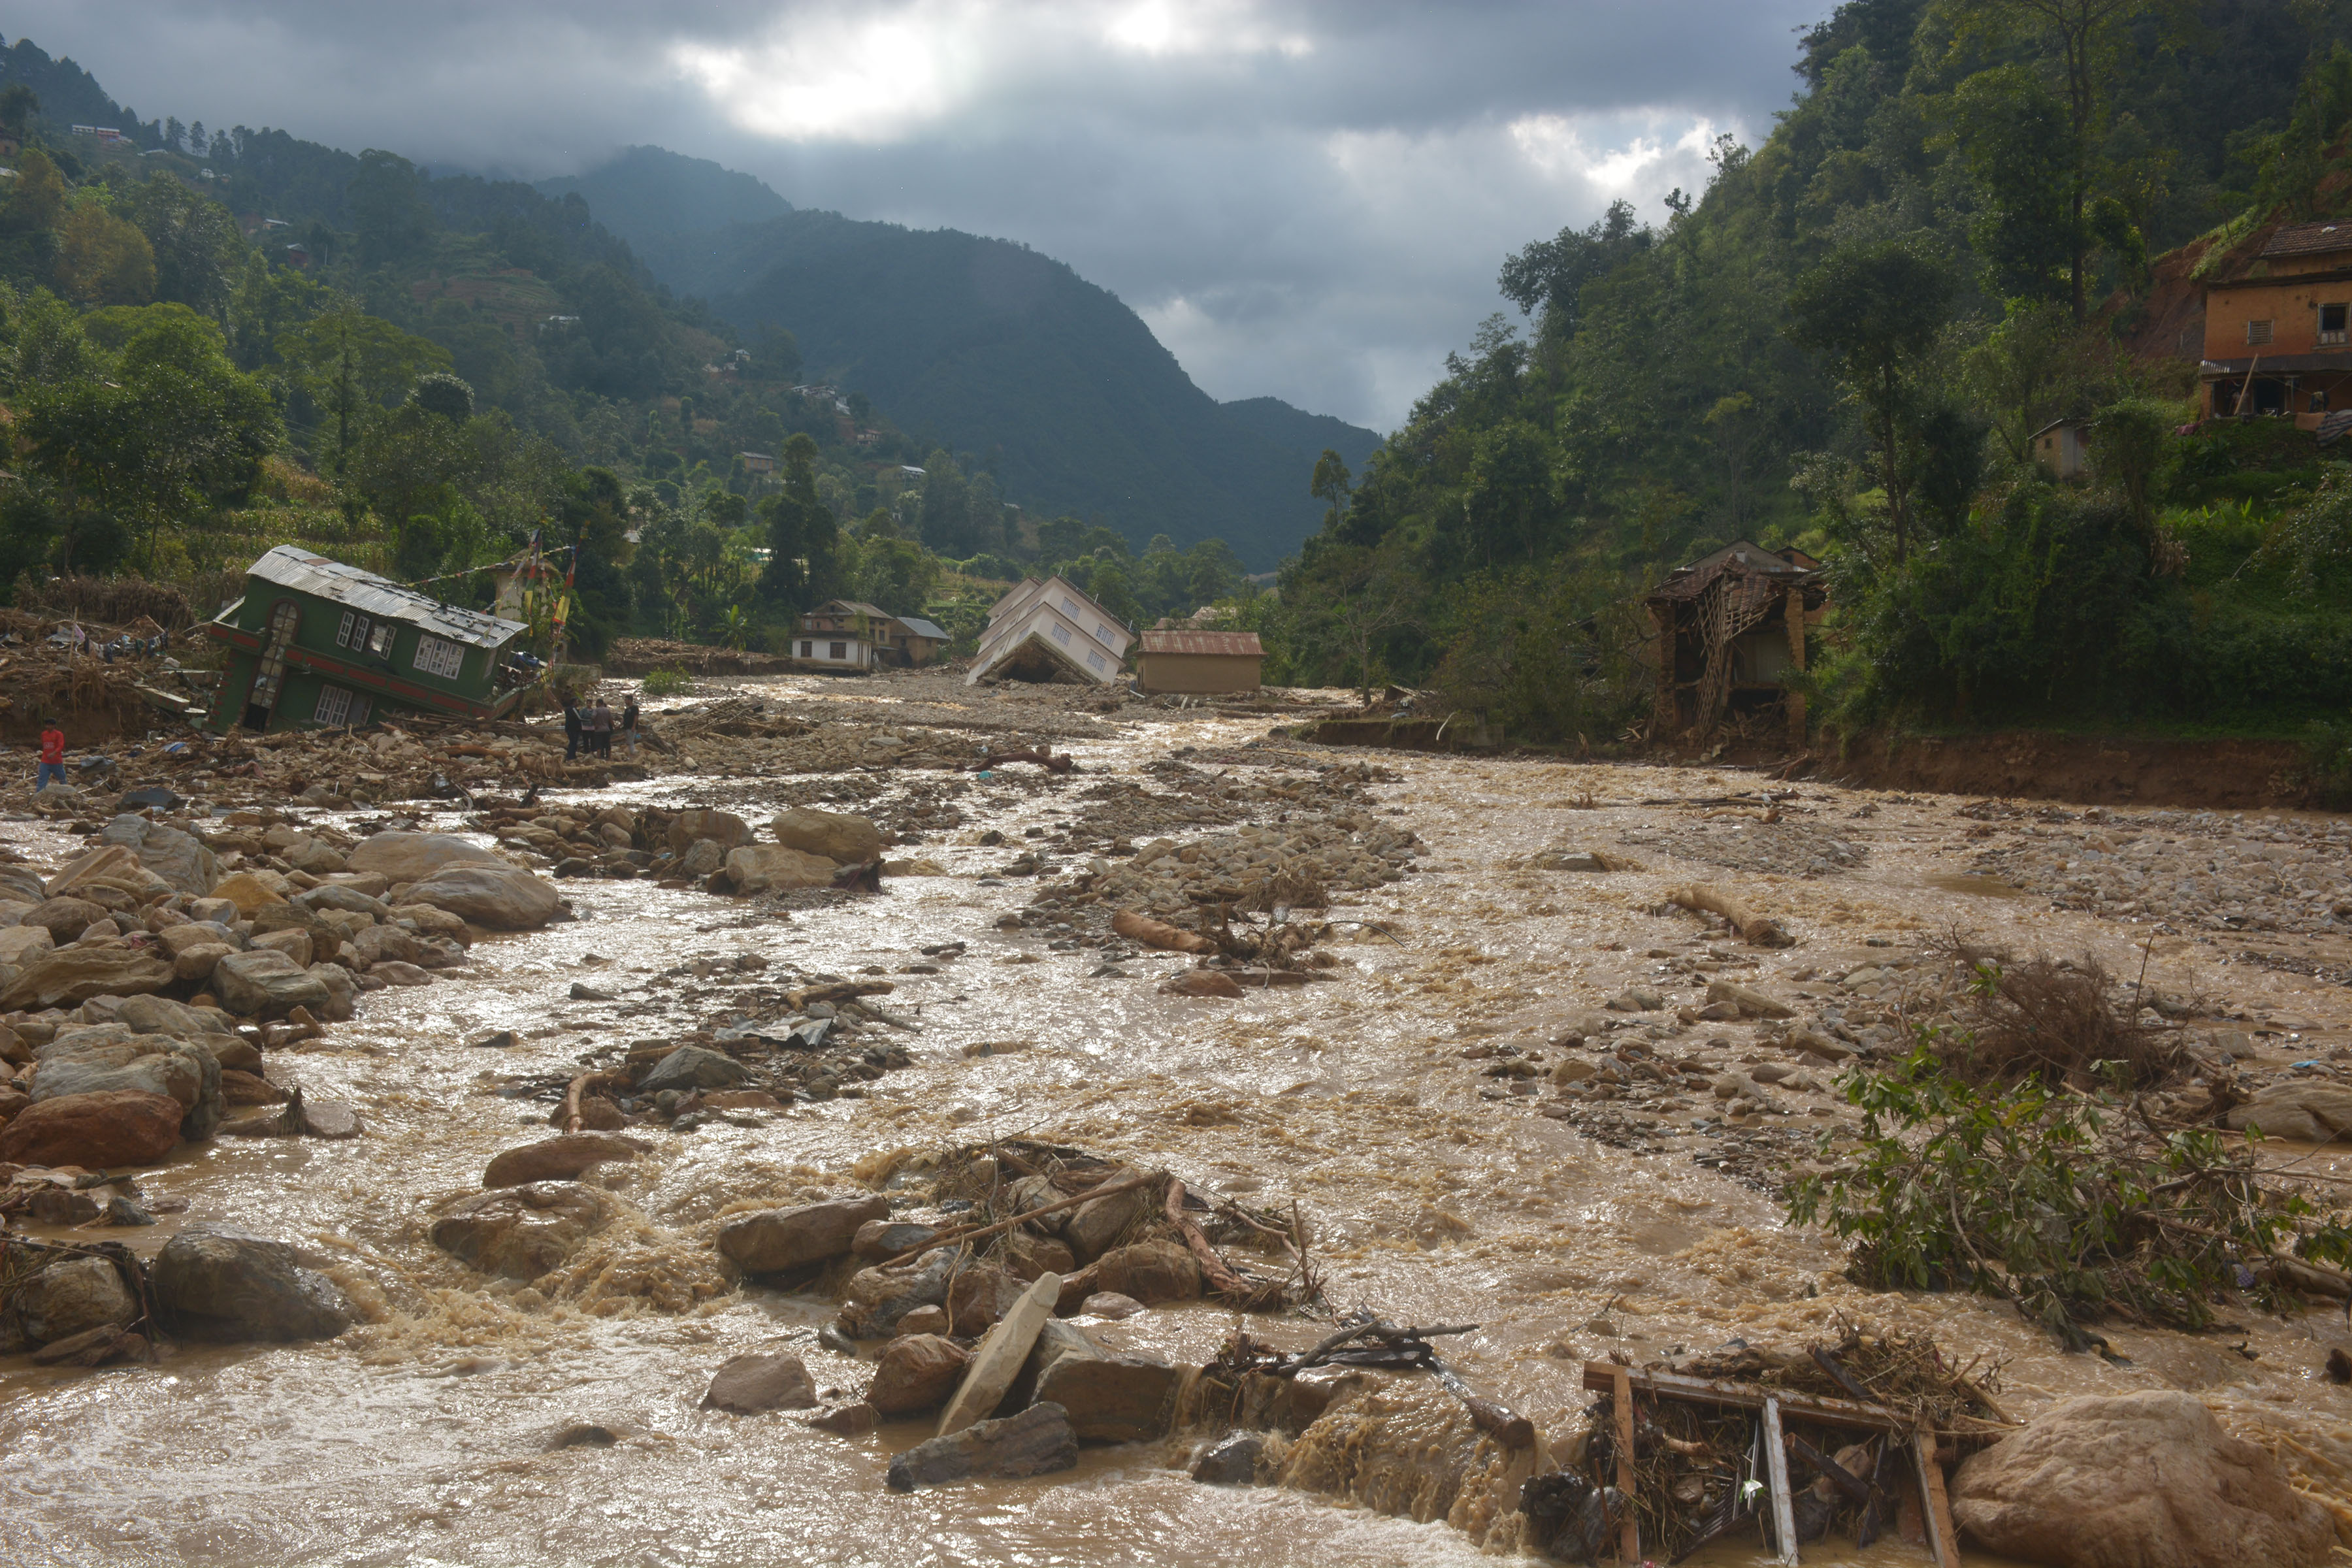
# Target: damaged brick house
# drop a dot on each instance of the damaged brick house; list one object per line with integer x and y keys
{"x": 1730, "y": 626}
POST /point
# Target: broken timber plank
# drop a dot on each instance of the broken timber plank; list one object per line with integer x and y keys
{"x": 1942, "y": 1539}
{"x": 1776, "y": 1470}
{"x": 1628, "y": 1548}
{"x": 1600, "y": 1377}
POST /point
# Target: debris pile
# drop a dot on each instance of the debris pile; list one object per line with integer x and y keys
{"x": 2193, "y": 869}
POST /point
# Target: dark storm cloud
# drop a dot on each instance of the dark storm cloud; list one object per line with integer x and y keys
{"x": 1303, "y": 199}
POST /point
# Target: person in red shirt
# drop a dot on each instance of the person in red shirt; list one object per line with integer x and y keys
{"x": 53, "y": 755}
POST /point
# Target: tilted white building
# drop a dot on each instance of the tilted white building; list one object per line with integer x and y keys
{"x": 1040, "y": 627}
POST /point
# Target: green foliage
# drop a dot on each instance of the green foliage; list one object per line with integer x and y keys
{"x": 668, "y": 682}
{"x": 2059, "y": 1202}
{"x": 174, "y": 430}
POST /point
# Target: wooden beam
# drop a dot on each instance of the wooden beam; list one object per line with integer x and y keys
{"x": 1776, "y": 1468}
{"x": 1943, "y": 1540}
{"x": 1600, "y": 1377}
{"x": 1629, "y": 1547}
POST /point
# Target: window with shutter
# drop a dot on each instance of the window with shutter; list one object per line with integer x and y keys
{"x": 2258, "y": 332}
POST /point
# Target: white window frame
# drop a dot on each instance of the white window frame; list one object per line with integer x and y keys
{"x": 379, "y": 638}
{"x": 334, "y": 708}
{"x": 1097, "y": 660}
{"x": 438, "y": 655}
{"x": 1061, "y": 634}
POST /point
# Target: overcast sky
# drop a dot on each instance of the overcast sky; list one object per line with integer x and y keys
{"x": 1309, "y": 200}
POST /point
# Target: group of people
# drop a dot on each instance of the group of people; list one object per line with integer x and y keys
{"x": 591, "y": 729}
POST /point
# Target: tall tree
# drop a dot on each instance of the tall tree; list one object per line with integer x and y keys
{"x": 1874, "y": 311}
{"x": 2087, "y": 39}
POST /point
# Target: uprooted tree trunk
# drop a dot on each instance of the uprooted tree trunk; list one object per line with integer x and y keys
{"x": 1758, "y": 931}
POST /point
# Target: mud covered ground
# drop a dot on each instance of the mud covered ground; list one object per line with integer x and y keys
{"x": 1473, "y": 1131}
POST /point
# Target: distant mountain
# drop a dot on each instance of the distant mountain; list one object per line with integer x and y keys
{"x": 69, "y": 95}
{"x": 1054, "y": 383}
{"x": 667, "y": 196}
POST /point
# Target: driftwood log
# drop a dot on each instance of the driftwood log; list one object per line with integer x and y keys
{"x": 1159, "y": 934}
{"x": 1758, "y": 931}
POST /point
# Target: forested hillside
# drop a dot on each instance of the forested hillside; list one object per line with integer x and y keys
{"x": 215, "y": 341}
{"x": 1843, "y": 342}
{"x": 986, "y": 347}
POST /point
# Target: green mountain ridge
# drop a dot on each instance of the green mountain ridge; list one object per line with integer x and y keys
{"x": 986, "y": 346}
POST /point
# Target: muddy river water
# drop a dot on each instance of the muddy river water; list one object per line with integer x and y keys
{"x": 421, "y": 1436}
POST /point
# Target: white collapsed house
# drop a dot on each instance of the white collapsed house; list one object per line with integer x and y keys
{"x": 1043, "y": 629}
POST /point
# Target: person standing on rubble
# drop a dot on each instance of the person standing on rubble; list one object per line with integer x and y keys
{"x": 629, "y": 721}
{"x": 600, "y": 729}
{"x": 572, "y": 725}
{"x": 53, "y": 755}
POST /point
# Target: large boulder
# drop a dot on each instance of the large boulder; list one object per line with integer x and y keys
{"x": 521, "y": 1232}
{"x": 162, "y": 1015}
{"x": 176, "y": 856}
{"x": 20, "y": 943}
{"x": 917, "y": 1373}
{"x": 778, "y": 1240}
{"x": 64, "y": 918}
{"x": 723, "y": 828}
{"x": 496, "y": 898}
{"x": 389, "y": 944}
{"x": 266, "y": 984}
{"x": 336, "y": 896}
{"x": 343, "y": 991}
{"x": 2138, "y": 1480}
{"x": 68, "y": 976}
{"x": 251, "y": 892}
{"x": 560, "y": 1159}
{"x": 1113, "y": 1399}
{"x": 835, "y": 834}
{"x": 2306, "y": 1109}
{"x": 96, "y": 1060}
{"x": 748, "y": 1385}
{"x": 71, "y": 1296}
{"x": 413, "y": 857}
{"x": 1036, "y": 1442}
{"x": 880, "y": 1300}
{"x": 113, "y": 1127}
{"x": 22, "y": 884}
{"x": 108, "y": 866}
{"x": 215, "y": 1283}
{"x": 1150, "y": 1271}
{"x": 763, "y": 867}
{"x": 692, "y": 1067}
{"x": 1096, "y": 1226}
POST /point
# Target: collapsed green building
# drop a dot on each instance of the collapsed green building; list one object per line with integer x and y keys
{"x": 316, "y": 644}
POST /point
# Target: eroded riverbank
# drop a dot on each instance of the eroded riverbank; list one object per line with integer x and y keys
{"x": 1436, "y": 1193}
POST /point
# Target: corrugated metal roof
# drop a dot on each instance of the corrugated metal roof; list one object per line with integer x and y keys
{"x": 922, "y": 629}
{"x": 2307, "y": 239}
{"x": 1229, "y": 645}
{"x": 289, "y": 567}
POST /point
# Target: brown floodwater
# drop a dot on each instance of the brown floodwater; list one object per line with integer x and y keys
{"x": 421, "y": 1436}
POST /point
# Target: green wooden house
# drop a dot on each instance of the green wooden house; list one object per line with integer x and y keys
{"x": 315, "y": 644}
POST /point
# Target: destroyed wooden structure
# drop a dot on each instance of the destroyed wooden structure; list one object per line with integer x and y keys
{"x": 1181, "y": 660}
{"x": 1045, "y": 631}
{"x": 314, "y": 643}
{"x": 1731, "y": 627}
{"x": 1759, "y": 1492}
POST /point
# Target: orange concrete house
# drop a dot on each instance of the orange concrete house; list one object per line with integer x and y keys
{"x": 2275, "y": 334}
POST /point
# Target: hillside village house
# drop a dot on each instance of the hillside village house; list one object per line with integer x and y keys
{"x": 848, "y": 634}
{"x": 316, "y": 644}
{"x": 2275, "y": 335}
{"x": 1730, "y": 626}
{"x": 1040, "y": 630}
